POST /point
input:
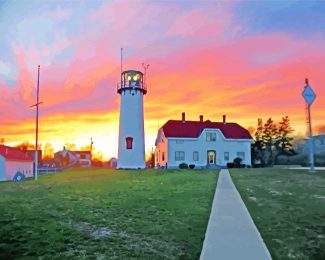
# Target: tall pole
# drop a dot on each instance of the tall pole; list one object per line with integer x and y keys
{"x": 91, "y": 147}
{"x": 36, "y": 105}
{"x": 311, "y": 144}
{"x": 310, "y": 96}
{"x": 36, "y": 143}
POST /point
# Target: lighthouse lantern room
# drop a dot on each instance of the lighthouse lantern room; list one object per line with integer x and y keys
{"x": 131, "y": 152}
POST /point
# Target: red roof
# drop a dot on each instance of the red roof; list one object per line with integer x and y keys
{"x": 193, "y": 129}
{"x": 11, "y": 153}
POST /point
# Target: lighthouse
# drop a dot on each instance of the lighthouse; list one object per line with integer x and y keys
{"x": 131, "y": 152}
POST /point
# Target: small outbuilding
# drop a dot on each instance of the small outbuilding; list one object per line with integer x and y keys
{"x": 15, "y": 164}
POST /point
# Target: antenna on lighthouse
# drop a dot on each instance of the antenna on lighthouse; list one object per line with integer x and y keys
{"x": 121, "y": 60}
{"x": 145, "y": 67}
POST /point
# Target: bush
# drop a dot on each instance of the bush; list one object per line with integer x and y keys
{"x": 230, "y": 165}
{"x": 237, "y": 162}
{"x": 191, "y": 166}
{"x": 298, "y": 159}
{"x": 183, "y": 166}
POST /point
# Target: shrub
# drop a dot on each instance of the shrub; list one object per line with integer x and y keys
{"x": 183, "y": 166}
{"x": 237, "y": 162}
{"x": 191, "y": 166}
{"x": 230, "y": 165}
{"x": 292, "y": 160}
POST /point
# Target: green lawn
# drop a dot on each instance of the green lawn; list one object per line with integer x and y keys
{"x": 107, "y": 214}
{"x": 288, "y": 207}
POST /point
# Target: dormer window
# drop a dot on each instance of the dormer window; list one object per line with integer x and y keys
{"x": 211, "y": 137}
{"x": 129, "y": 141}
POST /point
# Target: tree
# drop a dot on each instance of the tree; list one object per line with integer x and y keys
{"x": 251, "y": 130}
{"x": 150, "y": 162}
{"x": 70, "y": 146}
{"x": 97, "y": 155}
{"x": 269, "y": 136}
{"x": 2, "y": 141}
{"x": 26, "y": 145}
{"x": 283, "y": 143}
{"x": 258, "y": 145}
{"x": 48, "y": 151}
{"x": 85, "y": 148}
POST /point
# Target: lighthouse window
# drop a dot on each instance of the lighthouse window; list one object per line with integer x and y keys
{"x": 129, "y": 141}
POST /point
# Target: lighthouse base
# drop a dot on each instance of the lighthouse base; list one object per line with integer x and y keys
{"x": 128, "y": 167}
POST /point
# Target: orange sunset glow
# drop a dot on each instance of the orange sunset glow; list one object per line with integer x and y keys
{"x": 244, "y": 60}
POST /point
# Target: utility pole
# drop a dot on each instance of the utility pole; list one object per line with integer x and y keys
{"x": 37, "y": 106}
{"x": 91, "y": 147}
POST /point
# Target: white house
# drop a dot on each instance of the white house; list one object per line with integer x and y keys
{"x": 15, "y": 164}
{"x": 201, "y": 143}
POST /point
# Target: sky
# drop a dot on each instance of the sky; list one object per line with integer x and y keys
{"x": 244, "y": 59}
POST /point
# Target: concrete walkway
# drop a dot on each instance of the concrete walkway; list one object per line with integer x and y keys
{"x": 231, "y": 232}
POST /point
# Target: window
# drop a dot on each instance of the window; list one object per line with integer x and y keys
{"x": 195, "y": 156}
{"x": 226, "y": 156}
{"x": 129, "y": 141}
{"x": 163, "y": 156}
{"x": 211, "y": 137}
{"x": 179, "y": 156}
{"x": 83, "y": 156}
{"x": 241, "y": 155}
{"x": 179, "y": 141}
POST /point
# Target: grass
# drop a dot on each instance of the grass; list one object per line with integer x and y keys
{"x": 288, "y": 208}
{"x": 107, "y": 214}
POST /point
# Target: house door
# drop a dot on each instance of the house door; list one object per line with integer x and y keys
{"x": 211, "y": 157}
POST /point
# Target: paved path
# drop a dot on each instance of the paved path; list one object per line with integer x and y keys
{"x": 305, "y": 168}
{"x": 231, "y": 232}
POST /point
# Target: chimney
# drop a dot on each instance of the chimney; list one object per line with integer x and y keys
{"x": 6, "y": 150}
{"x": 183, "y": 117}
{"x": 201, "y": 118}
{"x": 224, "y": 119}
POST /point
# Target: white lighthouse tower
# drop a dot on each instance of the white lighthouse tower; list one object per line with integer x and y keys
{"x": 131, "y": 133}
